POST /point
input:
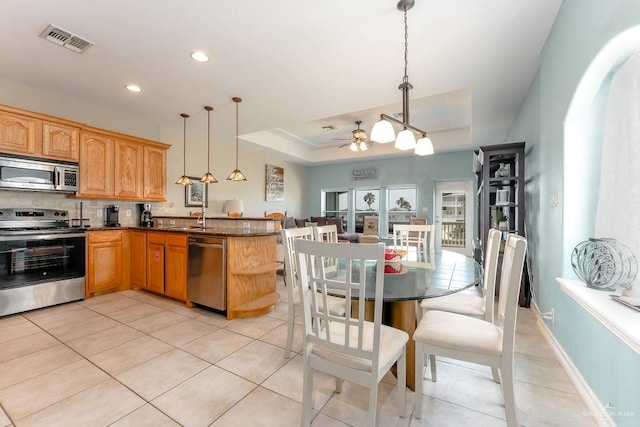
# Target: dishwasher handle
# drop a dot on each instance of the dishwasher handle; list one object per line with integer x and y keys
{"x": 205, "y": 245}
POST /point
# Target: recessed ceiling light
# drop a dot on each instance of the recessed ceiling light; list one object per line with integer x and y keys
{"x": 199, "y": 56}
{"x": 133, "y": 88}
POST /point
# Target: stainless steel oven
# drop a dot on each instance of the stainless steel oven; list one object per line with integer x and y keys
{"x": 42, "y": 260}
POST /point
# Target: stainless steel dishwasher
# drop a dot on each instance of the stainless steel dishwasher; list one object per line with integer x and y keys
{"x": 206, "y": 272}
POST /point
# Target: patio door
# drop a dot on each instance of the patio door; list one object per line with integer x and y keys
{"x": 454, "y": 216}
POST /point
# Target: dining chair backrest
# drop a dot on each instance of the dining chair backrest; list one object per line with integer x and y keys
{"x": 420, "y": 236}
{"x": 321, "y": 327}
{"x": 288, "y": 237}
{"x": 326, "y": 233}
{"x": 490, "y": 269}
{"x": 513, "y": 259}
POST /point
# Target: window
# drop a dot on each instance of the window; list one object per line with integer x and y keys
{"x": 336, "y": 205}
{"x": 401, "y": 205}
{"x": 367, "y": 203}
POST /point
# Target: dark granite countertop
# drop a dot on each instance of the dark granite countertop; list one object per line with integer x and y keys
{"x": 209, "y": 231}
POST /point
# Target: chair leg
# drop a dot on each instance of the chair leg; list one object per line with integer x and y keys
{"x": 290, "y": 327}
{"x": 432, "y": 362}
{"x": 307, "y": 395}
{"x": 496, "y": 375}
{"x": 508, "y": 393}
{"x": 372, "y": 416}
{"x": 419, "y": 373}
{"x": 339, "y": 382}
{"x": 402, "y": 383}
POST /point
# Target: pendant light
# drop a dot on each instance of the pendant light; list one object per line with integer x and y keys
{"x": 236, "y": 175}
{"x": 208, "y": 177}
{"x": 184, "y": 179}
{"x": 383, "y": 131}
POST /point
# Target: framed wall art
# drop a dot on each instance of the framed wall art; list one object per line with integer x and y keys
{"x": 274, "y": 183}
{"x": 195, "y": 193}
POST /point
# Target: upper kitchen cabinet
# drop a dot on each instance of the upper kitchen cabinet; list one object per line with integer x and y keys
{"x": 60, "y": 142}
{"x": 96, "y": 165}
{"x": 128, "y": 169}
{"x": 37, "y": 135}
{"x": 116, "y": 166}
{"x": 155, "y": 173}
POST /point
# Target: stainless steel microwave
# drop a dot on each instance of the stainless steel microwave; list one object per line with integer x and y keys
{"x": 38, "y": 175}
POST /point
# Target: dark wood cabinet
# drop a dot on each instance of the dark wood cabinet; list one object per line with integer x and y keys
{"x": 501, "y": 198}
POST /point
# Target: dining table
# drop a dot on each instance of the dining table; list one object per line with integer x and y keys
{"x": 419, "y": 275}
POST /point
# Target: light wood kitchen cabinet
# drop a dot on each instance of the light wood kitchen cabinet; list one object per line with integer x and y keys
{"x": 32, "y": 134}
{"x": 128, "y": 169}
{"x": 167, "y": 264}
{"x": 96, "y": 165}
{"x": 155, "y": 262}
{"x": 176, "y": 253}
{"x": 60, "y": 142}
{"x": 104, "y": 261}
{"x": 18, "y": 134}
{"x": 155, "y": 171}
{"x": 138, "y": 248}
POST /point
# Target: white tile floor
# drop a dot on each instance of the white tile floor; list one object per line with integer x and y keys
{"x": 137, "y": 359}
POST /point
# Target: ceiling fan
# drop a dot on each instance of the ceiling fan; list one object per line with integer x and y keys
{"x": 359, "y": 139}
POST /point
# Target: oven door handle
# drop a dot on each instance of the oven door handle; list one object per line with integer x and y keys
{"x": 41, "y": 237}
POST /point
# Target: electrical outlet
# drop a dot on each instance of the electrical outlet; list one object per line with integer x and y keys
{"x": 128, "y": 212}
{"x": 425, "y": 210}
{"x": 246, "y": 224}
{"x": 99, "y": 213}
{"x": 172, "y": 222}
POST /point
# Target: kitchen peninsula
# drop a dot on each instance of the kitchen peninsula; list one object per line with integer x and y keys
{"x": 156, "y": 259}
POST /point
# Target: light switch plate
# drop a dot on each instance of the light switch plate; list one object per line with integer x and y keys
{"x": 554, "y": 200}
{"x": 99, "y": 213}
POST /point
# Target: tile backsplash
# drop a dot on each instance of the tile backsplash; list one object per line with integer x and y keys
{"x": 43, "y": 200}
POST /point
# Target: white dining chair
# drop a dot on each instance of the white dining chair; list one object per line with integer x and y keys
{"x": 335, "y": 304}
{"x": 422, "y": 237}
{"x": 470, "y": 303}
{"x": 475, "y": 340}
{"x": 326, "y": 233}
{"x": 350, "y": 347}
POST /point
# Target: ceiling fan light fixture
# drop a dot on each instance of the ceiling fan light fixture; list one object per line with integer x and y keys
{"x": 363, "y": 146}
{"x": 405, "y": 140}
{"x": 353, "y": 147}
{"x": 184, "y": 179}
{"x": 383, "y": 132}
{"x": 424, "y": 146}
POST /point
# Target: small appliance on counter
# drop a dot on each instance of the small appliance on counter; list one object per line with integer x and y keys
{"x": 111, "y": 217}
{"x": 144, "y": 213}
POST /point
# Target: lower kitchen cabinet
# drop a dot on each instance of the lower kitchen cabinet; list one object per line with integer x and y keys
{"x": 104, "y": 261}
{"x": 138, "y": 245}
{"x": 167, "y": 264}
{"x": 176, "y": 266}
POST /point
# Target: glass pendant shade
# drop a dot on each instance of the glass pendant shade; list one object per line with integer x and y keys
{"x": 424, "y": 147}
{"x": 208, "y": 177}
{"x": 236, "y": 175}
{"x": 353, "y": 147}
{"x": 363, "y": 146}
{"x": 405, "y": 140}
{"x": 184, "y": 179}
{"x": 383, "y": 132}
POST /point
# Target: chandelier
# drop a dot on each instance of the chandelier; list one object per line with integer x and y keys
{"x": 383, "y": 131}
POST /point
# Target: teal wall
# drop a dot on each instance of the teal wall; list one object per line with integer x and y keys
{"x": 581, "y": 30}
{"x": 412, "y": 170}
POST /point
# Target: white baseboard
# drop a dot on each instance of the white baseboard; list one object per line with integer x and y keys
{"x": 594, "y": 407}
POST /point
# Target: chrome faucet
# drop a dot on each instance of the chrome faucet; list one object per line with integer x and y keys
{"x": 202, "y": 220}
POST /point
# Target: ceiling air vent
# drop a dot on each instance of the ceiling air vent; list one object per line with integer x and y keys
{"x": 66, "y": 39}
